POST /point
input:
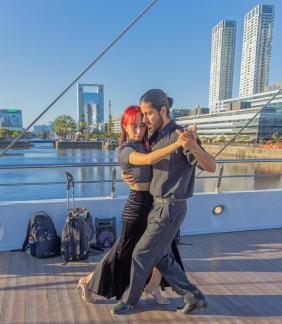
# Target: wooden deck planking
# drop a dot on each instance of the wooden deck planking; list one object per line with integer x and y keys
{"x": 79, "y": 308}
{"x": 231, "y": 275}
{"x": 10, "y": 291}
{"x": 4, "y": 267}
{"x": 33, "y": 301}
{"x": 20, "y": 290}
{"x": 240, "y": 273}
{"x": 42, "y": 307}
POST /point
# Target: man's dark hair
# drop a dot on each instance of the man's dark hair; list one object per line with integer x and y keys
{"x": 158, "y": 99}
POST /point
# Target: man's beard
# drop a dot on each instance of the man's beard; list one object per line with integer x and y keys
{"x": 158, "y": 126}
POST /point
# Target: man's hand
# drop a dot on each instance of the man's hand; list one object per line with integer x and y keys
{"x": 127, "y": 178}
{"x": 190, "y": 138}
{"x": 194, "y": 129}
{"x": 191, "y": 141}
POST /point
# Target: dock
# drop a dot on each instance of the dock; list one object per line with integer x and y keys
{"x": 22, "y": 144}
{"x": 79, "y": 144}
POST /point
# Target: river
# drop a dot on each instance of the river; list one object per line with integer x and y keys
{"x": 46, "y": 154}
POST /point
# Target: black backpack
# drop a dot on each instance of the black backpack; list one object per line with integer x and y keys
{"x": 76, "y": 235}
{"x": 41, "y": 237}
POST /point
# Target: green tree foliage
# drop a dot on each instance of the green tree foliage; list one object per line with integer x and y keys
{"x": 105, "y": 135}
{"x": 275, "y": 138}
{"x": 4, "y": 133}
{"x": 15, "y": 134}
{"x": 64, "y": 126}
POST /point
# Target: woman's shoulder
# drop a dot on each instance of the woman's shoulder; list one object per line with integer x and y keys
{"x": 124, "y": 151}
{"x": 126, "y": 145}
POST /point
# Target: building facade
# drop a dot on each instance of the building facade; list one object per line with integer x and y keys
{"x": 179, "y": 112}
{"x": 40, "y": 130}
{"x": 11, "y": 119}
{"x": 256, "y": 51}
{"x": 90, "y": 104}
{"x": 257, "y": 100}
{"x": 222, "y": 61}
{"x": 228, "y": 123}
{"x": 116, "y": 124}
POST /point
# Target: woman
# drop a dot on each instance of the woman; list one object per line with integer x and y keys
{"x": 112, "y": 274}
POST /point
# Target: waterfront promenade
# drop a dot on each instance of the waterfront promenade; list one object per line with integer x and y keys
{"x": 244, "y": 152}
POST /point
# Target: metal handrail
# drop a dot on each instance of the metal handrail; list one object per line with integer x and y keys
{"x": 114, "y": 180}
{"x": 243, "y": 175}
{"x": 114, "y": 164}
{"x": 14, "y": 184}
{"x": 220, "y": 176}
{"x": 60, "y": 165}
{"x": 221, "y": 168}
{"x": 262, "y": 160}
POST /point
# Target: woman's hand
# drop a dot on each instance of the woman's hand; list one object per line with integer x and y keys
{"x": 182, "y": 138}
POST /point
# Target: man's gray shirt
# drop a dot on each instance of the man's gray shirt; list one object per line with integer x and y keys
{"x": 174, "y": 176}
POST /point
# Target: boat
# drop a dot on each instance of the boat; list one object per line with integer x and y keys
{"x": 110, "y": 144}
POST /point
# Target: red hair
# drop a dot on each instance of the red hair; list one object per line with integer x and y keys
{"x": 129, "y": 118}
{"x": 129, "y": 115}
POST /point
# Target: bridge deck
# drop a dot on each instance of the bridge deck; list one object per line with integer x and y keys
{"x": 240, "y": 273}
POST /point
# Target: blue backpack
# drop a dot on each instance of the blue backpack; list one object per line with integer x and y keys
{"x": 41, "y": 237}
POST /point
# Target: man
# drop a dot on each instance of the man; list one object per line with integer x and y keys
{"x": 172, "y": 183}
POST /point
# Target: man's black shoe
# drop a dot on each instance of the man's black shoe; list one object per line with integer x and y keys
{"x": 121, "y": 308}
{"x": 197, "y": 304}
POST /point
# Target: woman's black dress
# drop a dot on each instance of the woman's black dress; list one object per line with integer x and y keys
{"x": 112, "y": 274}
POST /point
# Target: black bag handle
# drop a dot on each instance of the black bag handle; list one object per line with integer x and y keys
{"x": 25, "y": 243}
{"x": 70, "y": 184}
{"x": 41, "y": 212}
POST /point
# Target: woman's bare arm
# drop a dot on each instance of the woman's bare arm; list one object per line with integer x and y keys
{"x": 138, "y": 158}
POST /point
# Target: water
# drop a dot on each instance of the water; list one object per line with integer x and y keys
{"x": 44, "y": 154}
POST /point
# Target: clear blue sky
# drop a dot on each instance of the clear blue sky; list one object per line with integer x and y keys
{"x": 45, "y": 44}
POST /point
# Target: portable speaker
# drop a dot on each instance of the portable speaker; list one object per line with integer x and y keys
{"x": 105, "y": 232}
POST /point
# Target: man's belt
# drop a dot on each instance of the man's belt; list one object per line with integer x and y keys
{"x": 167, "y": 200}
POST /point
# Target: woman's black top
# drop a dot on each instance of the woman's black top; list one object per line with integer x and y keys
{"x": 140, "y": 173}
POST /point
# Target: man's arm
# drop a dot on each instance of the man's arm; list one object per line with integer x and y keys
{"x": 204, "y": 160}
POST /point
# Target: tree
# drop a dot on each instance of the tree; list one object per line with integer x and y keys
{"x": 15, "y": 134}
{"x": 275, "y": 137}
{"x": 64, "y": 125}
{"x": 4, "y": 133}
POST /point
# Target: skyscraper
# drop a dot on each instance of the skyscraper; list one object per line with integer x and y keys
{"x": 222, "y": 61}
{"x": 90, "y": 102}
{"x": 257, "y": 41}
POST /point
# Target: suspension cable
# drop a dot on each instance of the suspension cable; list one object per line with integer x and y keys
{"x": 79, "y": 76}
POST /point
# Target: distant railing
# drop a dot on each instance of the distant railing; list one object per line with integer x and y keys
{"x": 114, "y": 179}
